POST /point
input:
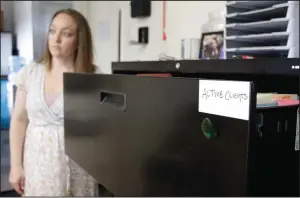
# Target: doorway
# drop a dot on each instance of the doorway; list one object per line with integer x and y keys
{"x": 43, "y": 12}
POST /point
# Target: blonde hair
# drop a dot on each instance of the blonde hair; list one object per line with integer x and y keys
{"x": 84, "y": 53}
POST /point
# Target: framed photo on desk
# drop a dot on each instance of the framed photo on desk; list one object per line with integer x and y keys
{"x": 212, "y": 45}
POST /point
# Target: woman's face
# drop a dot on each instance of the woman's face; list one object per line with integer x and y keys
{"x": 214, "y": 44}
{"x": 62, "y": 37}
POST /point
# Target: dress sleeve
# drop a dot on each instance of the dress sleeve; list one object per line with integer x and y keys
{"x": 22, "y": 78}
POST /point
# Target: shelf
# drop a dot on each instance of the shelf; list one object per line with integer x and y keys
{"x": 260, "y": 52}
{"x": 269, "y": 29}
{"x": 4, "y": 77}
{"x": 262, "y": 26}
{"x": 259, "y": 49}
{"x": 266, "y": 66}
{"x": 261, "y": 14}
{"x": 6, "y": 32}
{"x": 251, "y": 4}
{"x": 268, "y": 37}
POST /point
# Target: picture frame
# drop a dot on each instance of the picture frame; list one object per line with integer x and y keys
{"x": 212, "y": 45}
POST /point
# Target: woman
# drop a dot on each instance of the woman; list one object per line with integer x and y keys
{"x": 39, "y": 166}
{"x": 215, "y": 51}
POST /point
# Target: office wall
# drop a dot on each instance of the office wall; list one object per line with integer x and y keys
{"x": 183, "y": 19}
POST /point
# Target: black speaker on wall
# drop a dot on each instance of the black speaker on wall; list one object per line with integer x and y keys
{"x": 140, "y": 8}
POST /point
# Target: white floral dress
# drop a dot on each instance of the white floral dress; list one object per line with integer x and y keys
{"x": 48, "y": 171}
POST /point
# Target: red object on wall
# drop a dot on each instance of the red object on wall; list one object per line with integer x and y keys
{"x": 157, "y": 75}
{"x": 164, "y": 21}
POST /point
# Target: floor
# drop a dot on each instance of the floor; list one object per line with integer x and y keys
{"x": 9, "y": 194}
{"x": 5, "y": 161}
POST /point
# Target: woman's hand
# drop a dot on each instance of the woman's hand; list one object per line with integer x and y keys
{"x": 17, "y": 179}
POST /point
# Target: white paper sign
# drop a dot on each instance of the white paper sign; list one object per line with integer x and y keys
{"x": 224, "y": 98}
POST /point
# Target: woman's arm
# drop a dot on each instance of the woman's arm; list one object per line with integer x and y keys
{"x": 18, "y": 126}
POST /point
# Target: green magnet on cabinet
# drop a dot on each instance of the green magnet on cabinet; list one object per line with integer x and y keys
{"x": 208, "y": 129}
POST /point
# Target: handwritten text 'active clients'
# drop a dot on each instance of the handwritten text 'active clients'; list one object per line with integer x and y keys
{"x": 227, "y": 95}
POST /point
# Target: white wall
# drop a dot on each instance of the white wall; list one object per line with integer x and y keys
{"x": 184, "y": 20}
